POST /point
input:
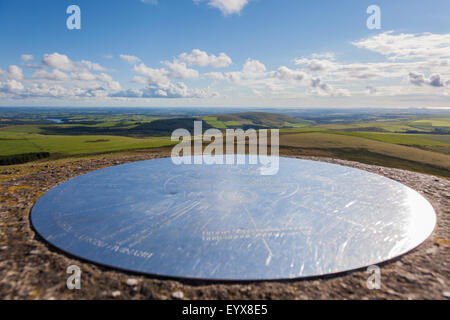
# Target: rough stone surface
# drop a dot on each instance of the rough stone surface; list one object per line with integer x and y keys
{"x": 179, "y": 295}
{"x": 31, "y": 269}
{"x": 132, "y": 282}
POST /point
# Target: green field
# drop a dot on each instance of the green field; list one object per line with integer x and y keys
{"x": 12, "y": 142}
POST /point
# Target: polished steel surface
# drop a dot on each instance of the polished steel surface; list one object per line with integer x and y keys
{"x": 231, "y": 223}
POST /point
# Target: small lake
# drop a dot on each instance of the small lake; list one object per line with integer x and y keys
{"x": 55, "y": 120}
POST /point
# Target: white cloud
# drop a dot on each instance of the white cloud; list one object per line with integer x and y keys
{"x": 286, "y": 74}
{"x": 129, "y": 58}
{"x": 92, "y": 65}
{"x": 214, "y": 75}
{"x": 170, "y": 90}
{"x": 227, "y": 7}
{"x": 11, "y": 87}
{"x": 83, "y": 75}
{"x": 325, "y": 89}
{"x": 27, "y": 57}
{"x": 34, "y": 66}
{"x": 180, "y": 70}
{"x": 407, "y": 46}
{"x": 327, "y": 55}
{"x": 251, "y": 70}
{"x": 55, "y": 75}
{"x": 139, "y": 79}
{"x": 58, "y": 61}
{"x": 159, "y": 84}
{"x": 406, "y": 70}
{"x": 113, "y": 85}
{"x": 316, "y": 65}
{"x": 435, "y": 80}
{"x": 371, "y": 90}
{"x": 14, "y": 72}
{"x": 154, "y": 76}
{"x": 202, "y": 59}
{"x": 234, "y": 76}
{"x": 253, "y": 67}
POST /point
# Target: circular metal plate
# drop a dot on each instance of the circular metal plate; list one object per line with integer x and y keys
{"x": 228, "y": 222}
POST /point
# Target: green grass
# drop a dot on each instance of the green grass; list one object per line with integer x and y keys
{"x": 432, "y": 122}
{"x": 73, "y": 145}
{"x": 213, "y": 122}
{"x": 233, "y": 123}
{"x": 417, "y": 140}
{"x": 330, "y": 140}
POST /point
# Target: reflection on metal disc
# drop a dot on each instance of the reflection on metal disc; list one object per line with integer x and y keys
{"x": 229, "y": 222}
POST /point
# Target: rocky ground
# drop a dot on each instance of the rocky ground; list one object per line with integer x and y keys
{"x": 30, "y": 269}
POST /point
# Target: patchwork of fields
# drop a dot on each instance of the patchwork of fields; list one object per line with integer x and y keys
{"x": 414, "y": 143}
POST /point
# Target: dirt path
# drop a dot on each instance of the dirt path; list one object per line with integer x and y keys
{"x": 29, "y": 269}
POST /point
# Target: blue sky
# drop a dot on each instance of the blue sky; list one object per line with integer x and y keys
{"x": 246, "y": 53}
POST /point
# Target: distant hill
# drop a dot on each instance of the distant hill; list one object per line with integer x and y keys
{"x": 156, "y": 128}
{"x": 165, "y": 127}
{"x": 256, "y": 120}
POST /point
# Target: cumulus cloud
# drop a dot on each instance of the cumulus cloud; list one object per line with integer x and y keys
{"x": 203, "y": 59}
{"x": 319, "y": 74}
{"x": 154, "y": 76}
{"x": 92, "y": 65}
{"x": 253, "y": 68}
{"x": 227, "y": 7}
{"x": 325, "y": 89}
{"x": 170, "y": 90}
{"x": 178, "y": 90}
{"x": 55, "y": 75}
{"x": 14, "y": 72}
{"x": 83, "y": 75}
{"x": 11, "y": 87}
{"x": 286, "y": 74}
{"x": 316, "y": 65}
{"x": 129, "y": 93}
{"x": 58, "y": 61}
{"x": 63, "y": 62}
{"x": 159, "y": 84}
{"x": 180, "y": 70}
{"x": 419, "y": 79}
{"x": 129, "y": 58}
{"x": 106, "y": 78}
{"x": 371, "y": 90}
{"x": 436, "y": 81}
{"x": 58, "y": 77}
{"x": 139, "y": 79}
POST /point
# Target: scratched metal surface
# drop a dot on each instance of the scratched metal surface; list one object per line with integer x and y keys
{"x": 231, "y": 223}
